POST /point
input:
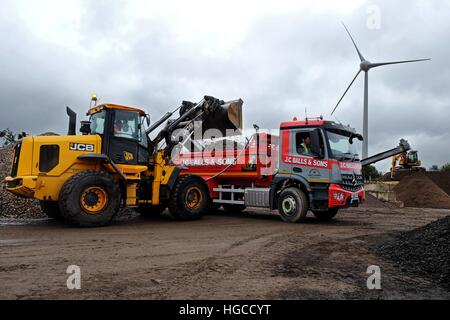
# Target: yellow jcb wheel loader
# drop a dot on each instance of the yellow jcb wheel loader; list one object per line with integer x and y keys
{"x": 85, "y": 179}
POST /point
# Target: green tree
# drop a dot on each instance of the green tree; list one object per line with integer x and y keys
{"x": 371, "y": 173}
{"x": 445, "y": 167}
{"x": 434, "y": 168}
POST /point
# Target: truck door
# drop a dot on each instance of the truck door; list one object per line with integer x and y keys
{"x": 298, "y": 157}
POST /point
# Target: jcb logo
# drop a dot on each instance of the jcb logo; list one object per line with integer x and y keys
{"x": 81, "y": 147}
{"x": 128, "y": 156}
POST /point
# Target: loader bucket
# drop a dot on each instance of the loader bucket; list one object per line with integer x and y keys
{"x": 227, "y": 116}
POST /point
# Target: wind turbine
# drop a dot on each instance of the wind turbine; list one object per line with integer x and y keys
{"x": 366, "y": 66}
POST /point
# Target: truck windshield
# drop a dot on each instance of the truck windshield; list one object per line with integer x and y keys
{"x": 341, "y": 148}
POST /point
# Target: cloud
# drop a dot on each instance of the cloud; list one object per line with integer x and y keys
{"x": 280, "y": 57}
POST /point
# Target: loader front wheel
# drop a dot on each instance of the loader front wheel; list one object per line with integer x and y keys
{"x": 189, "y": 198}
{"x": 90, "y": 199}
{"x": 51, "y": 209}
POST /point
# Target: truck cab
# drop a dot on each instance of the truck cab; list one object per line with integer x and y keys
{"x": 322, "y": 157}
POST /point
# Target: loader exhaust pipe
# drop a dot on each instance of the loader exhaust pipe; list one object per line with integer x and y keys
{"x": 72, "y": 122}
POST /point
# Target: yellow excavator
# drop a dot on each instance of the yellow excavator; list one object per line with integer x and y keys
{"x": 85, "y": 179}
{"x": 407, "y": 161}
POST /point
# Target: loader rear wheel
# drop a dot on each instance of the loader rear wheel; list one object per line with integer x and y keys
{"x": 90, "y": 199}
{"x": 150, "y": 211}
{"x": 293, "y": 205}
{"x": 326, "y": 215}
{"x": 234, "y": 208}
{"x": 51, "y": 209}
{"x": 189, "y": 198}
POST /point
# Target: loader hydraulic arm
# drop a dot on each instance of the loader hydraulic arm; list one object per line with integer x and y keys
{"x": 212, "y": 112}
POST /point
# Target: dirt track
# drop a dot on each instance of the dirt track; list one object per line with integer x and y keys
{"x": 252, "y": 255}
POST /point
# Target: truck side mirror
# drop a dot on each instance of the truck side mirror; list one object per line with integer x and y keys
{"x": 316, "y": 149}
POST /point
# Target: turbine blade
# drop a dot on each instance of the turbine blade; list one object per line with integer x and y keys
{"x": 354, "y": 43}
{"x": 374, "y": 65}
{"x": 348, "y": 88}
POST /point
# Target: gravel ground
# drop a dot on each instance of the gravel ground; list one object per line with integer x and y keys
{"x": 253, "y": 255}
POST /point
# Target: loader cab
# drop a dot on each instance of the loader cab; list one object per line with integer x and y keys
{"x": 122, "y": 130}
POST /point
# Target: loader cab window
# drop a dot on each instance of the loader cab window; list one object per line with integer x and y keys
{"x": 129, "y": 142}
{"x": 98, "y": 123}
{"x": 142, "y": 135}
{"x": 127, "y": 125}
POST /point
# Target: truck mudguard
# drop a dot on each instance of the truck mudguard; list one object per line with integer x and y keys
{"x": 279, "y": 179}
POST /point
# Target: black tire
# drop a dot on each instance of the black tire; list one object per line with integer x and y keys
{"x": 51, "y": 209}
{"x": 86, "y": 190}
{"x": 293, "y": 205}
{"x": 234, "y": 208}
{"x": 150, "y": 211}
{"x": 189, "y": 198}
{"x": 326, "y": 215}
{"x": 213, "y": 207}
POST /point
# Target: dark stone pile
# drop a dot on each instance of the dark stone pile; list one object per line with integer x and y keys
{"x": 10, "y": 205}
{"x": 424, "y": 251}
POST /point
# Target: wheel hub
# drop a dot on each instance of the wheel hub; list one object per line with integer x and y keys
{"x": 193, "y": 198}
{"x": 91, "y": 199}
{"x": 94, "y": 200}
{"x": 289, "y": 205}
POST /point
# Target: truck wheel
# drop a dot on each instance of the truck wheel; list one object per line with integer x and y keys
{"x": 326, "y": 215}
{"x": 149, "y": 211}
{"x": 90, "y": 199}
{"x": 189, "y": 198}
{"x": 293, "y": 205}
{"x": 51, "y": 209}
{"x": 234, "y": 207}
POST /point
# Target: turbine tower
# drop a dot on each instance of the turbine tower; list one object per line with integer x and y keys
{"x": 366, "y": 66}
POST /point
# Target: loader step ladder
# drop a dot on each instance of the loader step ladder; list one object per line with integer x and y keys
{"x": 227, "y": 195}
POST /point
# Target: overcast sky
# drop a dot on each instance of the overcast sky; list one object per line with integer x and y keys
{"x": 278, "y": 56}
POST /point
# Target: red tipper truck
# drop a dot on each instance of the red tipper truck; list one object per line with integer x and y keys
{"x": 312, "y": 165}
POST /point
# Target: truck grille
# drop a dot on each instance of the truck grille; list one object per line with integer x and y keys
{"x": 352, "y": 182}
{"x": 15, "y": 163}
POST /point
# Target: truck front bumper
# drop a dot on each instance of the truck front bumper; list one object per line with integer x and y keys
{"x": 341, "y": 198}
{"x": 20, "y": 186}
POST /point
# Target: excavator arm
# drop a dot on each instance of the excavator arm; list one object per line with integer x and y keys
{"x": 402, "y": 147}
